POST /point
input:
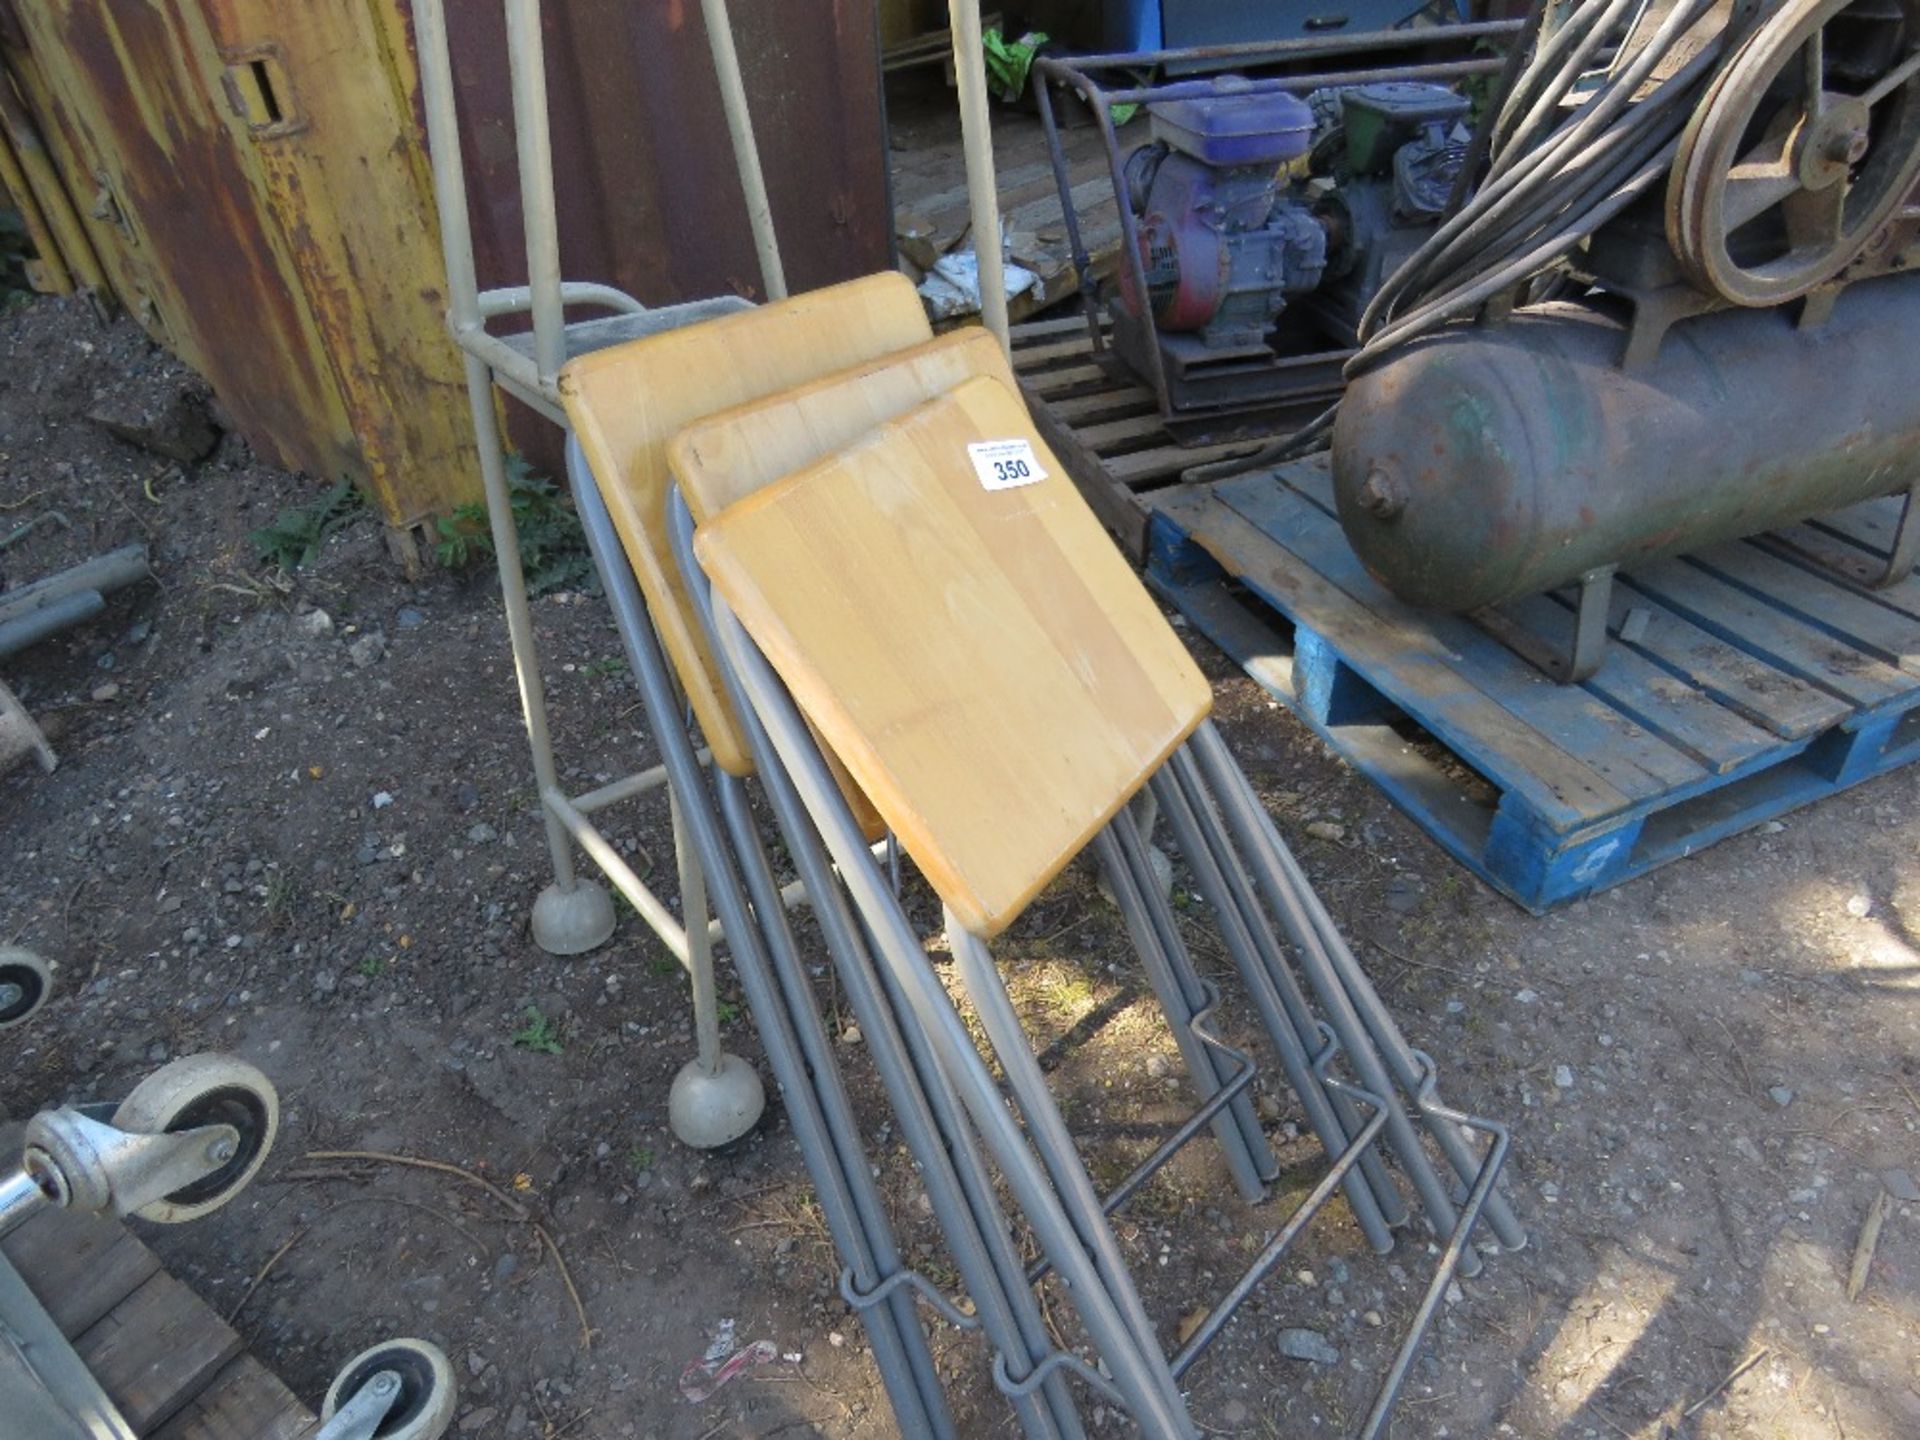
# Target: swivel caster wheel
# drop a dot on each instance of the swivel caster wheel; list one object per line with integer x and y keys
{"x": 398, "y": 1390}
{"x": 25, "y": 982}
{"x": 203, "y": 1090}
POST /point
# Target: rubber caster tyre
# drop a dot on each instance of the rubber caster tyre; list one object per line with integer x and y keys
{"x": 25, "y": 982}
{"x": 427, "y": 1395}
{"x": 204, "y": 1090}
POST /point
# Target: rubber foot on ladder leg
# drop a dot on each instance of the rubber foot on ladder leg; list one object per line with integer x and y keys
{"x": 572, "y": 921}
{"x": 711, "y": 1108}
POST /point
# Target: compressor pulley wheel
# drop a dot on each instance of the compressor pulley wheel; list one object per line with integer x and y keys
{"x": 1806, "y": 144}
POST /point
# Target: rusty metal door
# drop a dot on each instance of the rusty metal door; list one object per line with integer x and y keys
{"x": 250, "y": 180}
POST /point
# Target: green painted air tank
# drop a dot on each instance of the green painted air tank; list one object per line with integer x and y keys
{"x": 1491, "y": 462}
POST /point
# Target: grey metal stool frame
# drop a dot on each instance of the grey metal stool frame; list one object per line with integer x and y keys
{"x": 946, "y": 1100}
{"x": 1037, "y": 1158}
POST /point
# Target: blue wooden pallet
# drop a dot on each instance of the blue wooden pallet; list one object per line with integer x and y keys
{"x": 1761, "y": 677}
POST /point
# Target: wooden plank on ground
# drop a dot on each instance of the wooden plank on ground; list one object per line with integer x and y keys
{"x": 157, "y": 1350}
{"x": 79, "y": 1265}
{"x": 245, "y": 1401}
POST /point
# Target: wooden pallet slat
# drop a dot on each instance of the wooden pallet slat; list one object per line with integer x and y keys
{"x": 1071, "y": 380}
{"x": 1636, "y": 686}
{"x": 243, "y": 1401}
{"x": 1141, "y": 467}
{"x": 1772, "y": 634}
{"x": 1864, "y": 623}
{"x": 1745, "y": 686}
{"x": 1631, "y": 759}
{"x": 1718, "y": 739}
{"x": 1561, "y": 788}
{"x": 1102, "y": 403}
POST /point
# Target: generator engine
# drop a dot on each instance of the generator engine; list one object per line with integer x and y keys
{"x": 1223, "y": 248}
{"x": 1386, "y": 161}
{"x": 1250, "y": 202}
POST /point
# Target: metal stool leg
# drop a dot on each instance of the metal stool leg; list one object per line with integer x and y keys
{"x": 958, "y": 1186}
{"x": 1285, "y": 1019}
{"x": 816, "y": 1105}
{"x": 1325, "y": 956}
{"x": 573, "y": 914}
{"x": 780, "y": 738}
{"x": 1237, "y": 1129}
{"x": 1052, "y": 1142}
{"x": 1244, "y": 923}
{"x": 1362, "y": 1055}
{"x": 1009, "y": 1319}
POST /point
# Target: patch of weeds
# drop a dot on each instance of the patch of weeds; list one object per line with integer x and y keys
{"x": 373, "y": 967}
{"x": 296, "y": 535}
{"x": 603, "y": 669}
{"x": 663, "y": 966}
{"x": 279, "y": 899}
{"x": 1068, "y": 993}
{"x": 640, "y": 1157}
{"x": 727, "y": 1011}
{"x": 539, "y": 1034}
{"x": 553, "y": 547}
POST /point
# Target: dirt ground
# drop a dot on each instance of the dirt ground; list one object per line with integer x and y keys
{"x": 293, "y": 819}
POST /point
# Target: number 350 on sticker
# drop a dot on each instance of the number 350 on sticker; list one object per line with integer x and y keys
{"x": 1004, "y": 464}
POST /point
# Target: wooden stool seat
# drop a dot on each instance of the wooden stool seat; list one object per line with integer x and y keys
{"x": 983, "y": 661}
{"x": 625, "y": 403}
{"x": 729, "y": 456}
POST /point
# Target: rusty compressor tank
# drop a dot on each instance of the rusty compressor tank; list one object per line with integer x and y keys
{"x": 1491, "y": 462}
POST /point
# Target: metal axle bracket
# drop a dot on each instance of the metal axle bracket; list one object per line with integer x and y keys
{"x": 1589, "y": 648}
